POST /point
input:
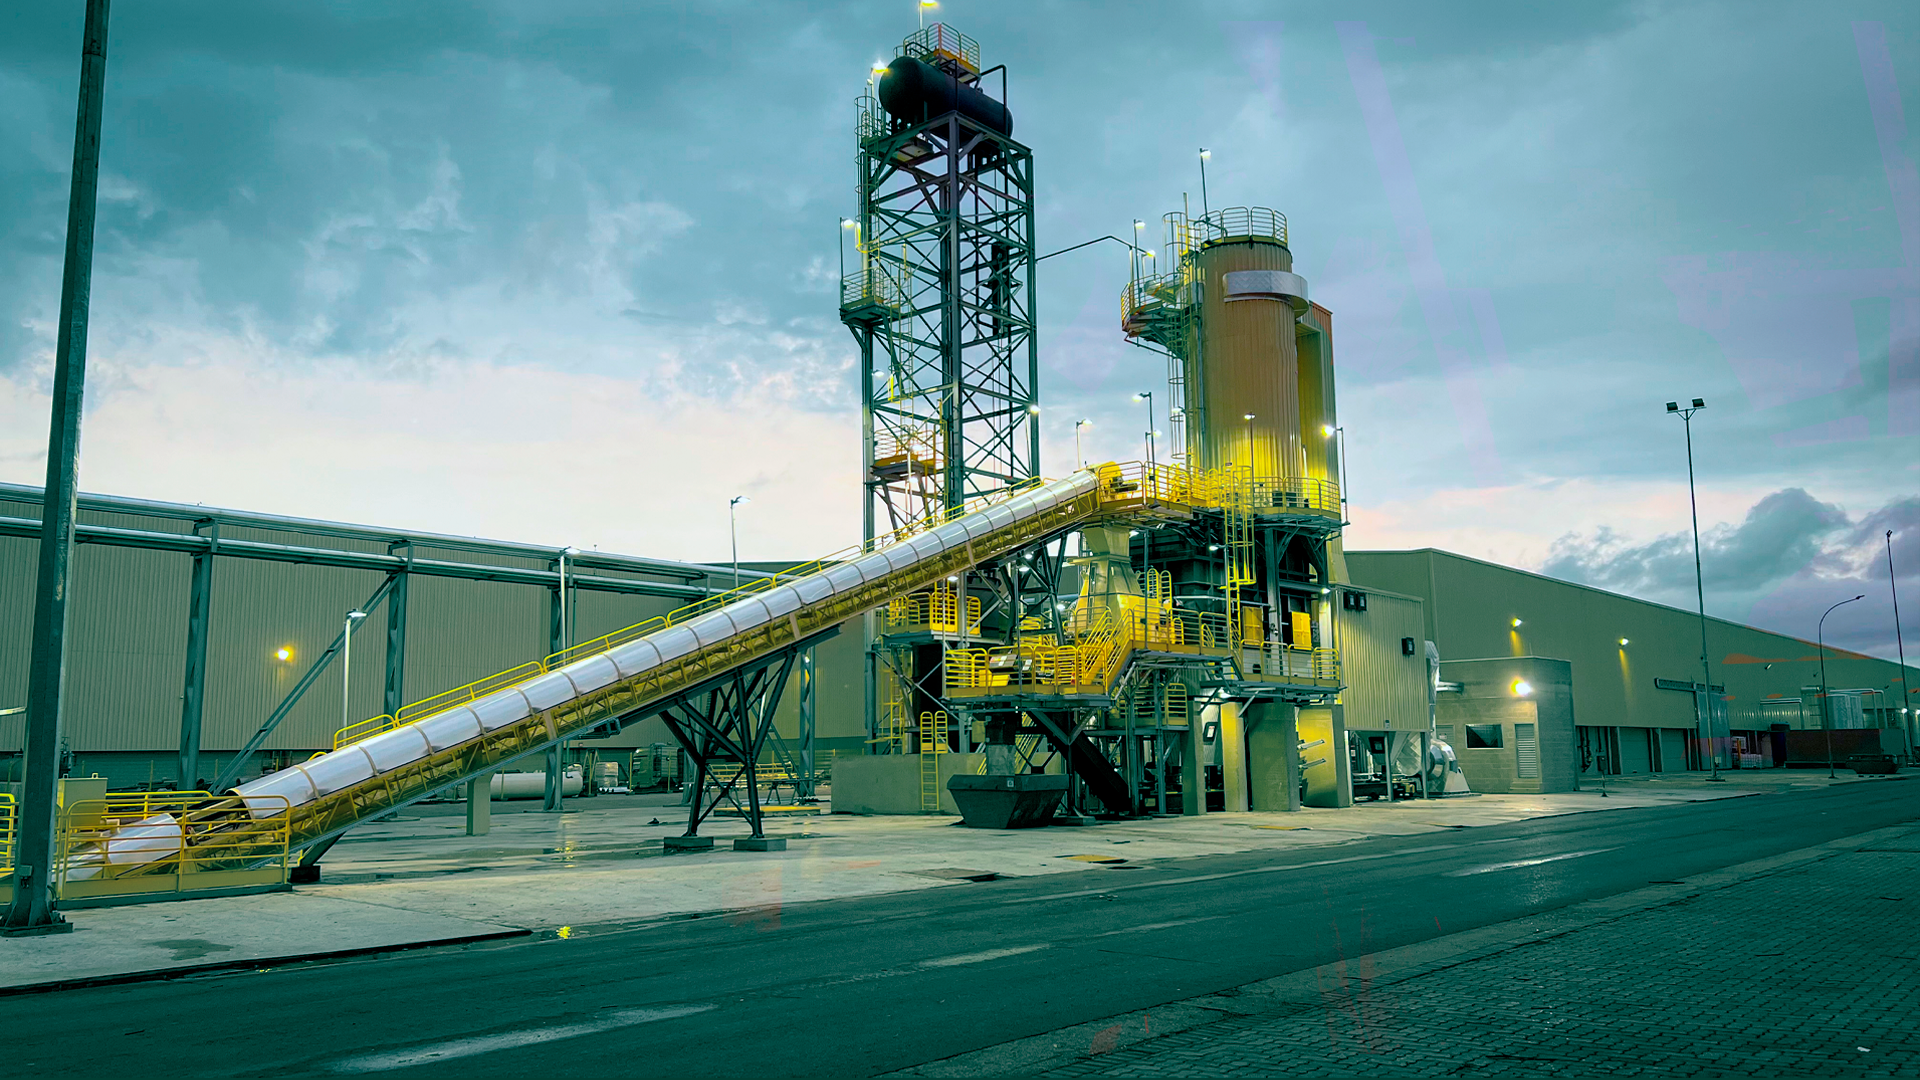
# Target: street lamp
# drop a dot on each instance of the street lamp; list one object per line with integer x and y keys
{"x": 1147, "y": 396}
{"x": 566, "y": 627}
{"x": 1906, "y": 691}
{"x": 1205, "y": 155}
{"x": 1079, "y": 457}
{"x": 1138, "y": 225}
{"x": 733, "y": 530}
{"x": 346, "y": 665}
{"x": 1699, "y": 583}
{"x": 1826, "y": 707}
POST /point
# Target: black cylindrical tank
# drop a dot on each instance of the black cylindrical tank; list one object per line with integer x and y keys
{"x": 914, "y": 90}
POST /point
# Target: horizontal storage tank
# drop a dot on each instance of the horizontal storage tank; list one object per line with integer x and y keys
{"x": 913, "y": 91}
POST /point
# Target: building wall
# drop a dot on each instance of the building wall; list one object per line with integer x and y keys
{"x": 1487, "y": 696}
{"x": 1386, "y": 688}
{"x": 1470, "y": 605}
{"x": 127, "y": 639}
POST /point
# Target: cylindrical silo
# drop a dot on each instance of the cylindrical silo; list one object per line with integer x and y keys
{"x": 1246, "y": 363}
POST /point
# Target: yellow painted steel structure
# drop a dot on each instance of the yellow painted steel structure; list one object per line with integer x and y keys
{"x": 252, "y": 830}
{"x": 160, "y": 845}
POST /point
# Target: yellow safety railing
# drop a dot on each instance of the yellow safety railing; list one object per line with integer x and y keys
{"x": 6, "y": 832}
{"x": 937, "y": 610}
{"x": 942, "y": 42}
{"x": 1123, "y": 487}
{"x": 933, "y": 743}
{"x": 165, "y": 842}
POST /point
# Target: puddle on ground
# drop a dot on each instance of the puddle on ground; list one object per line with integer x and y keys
{"x": 191, "y": 948}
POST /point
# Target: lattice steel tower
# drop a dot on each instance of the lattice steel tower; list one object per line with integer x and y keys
{"x": 942, "y": 300}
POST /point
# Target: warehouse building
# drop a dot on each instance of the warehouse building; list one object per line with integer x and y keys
{"x": 1628, "y": 671}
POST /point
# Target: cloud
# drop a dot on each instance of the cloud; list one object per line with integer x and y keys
{"x": 1780, "y": 567}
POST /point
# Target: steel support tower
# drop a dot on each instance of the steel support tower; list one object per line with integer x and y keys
{"x": 941, "y": 303}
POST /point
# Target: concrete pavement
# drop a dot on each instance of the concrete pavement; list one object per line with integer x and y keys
{"x": 879, "y": 983}
{"x": 1799, "y": 964}
{"x": 418, "y": 880}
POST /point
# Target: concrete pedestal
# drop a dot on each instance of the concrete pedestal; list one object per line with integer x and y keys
{"x": 688, "y": 843}
{"x": 759, "y": 843}
{"x": 480, "y": 805}
{"x": 1273, "y": 757}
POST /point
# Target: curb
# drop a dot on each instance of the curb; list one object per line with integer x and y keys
{"x": 1307, "y": 990}
{"x": 162, "y": 974}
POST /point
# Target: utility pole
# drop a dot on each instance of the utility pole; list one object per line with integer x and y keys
{"x": 32, "y": 910}
{"x": 1699, "y": 587}
{"x": 1906, "y": 692}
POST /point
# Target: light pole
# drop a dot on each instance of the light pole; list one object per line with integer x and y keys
{"x": 1906, "y": 691}
{"x": 1204, "y": 155}
{"x": 1147, "y": 396}
{"x": 845, "y": 224}
{"x": 1826, "y": 708}
{"x": 1699, "y": 583}
{"x": 1339, "y": 435}
{"x": 566, "y": 626}
{"x": 1138, "y": 225}
{"x": 346, "y": 666}
{"x": 1247, "y": 420}
{"x": 733, "y": 530}
{"x": 1079, "y": 458}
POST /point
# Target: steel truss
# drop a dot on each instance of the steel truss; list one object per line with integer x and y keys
{"x": 729, "y": 719}
{"x": 942, "y": 306}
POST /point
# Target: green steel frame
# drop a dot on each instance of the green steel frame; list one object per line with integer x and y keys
{"x": 942, "y": 306}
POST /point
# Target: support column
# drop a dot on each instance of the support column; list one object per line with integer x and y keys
{"x": 1273, "y": 756}
{"x": 193, "y": 693}
{"x": 1193, "y": 764}
{"x": 1233, "y": 756}
{"x": 480, "y": 805}
{"x": 803, "y": 784}
{"x": 556, "y": 640}
{"x": 32, "y": 910}
{"x": 397, "y": 642}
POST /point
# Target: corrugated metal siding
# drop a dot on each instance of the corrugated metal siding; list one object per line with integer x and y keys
{"x": 16, "y": 631}
{"x": 459, "y": 631}
{"x": 1385, "y": 687}
{"x": 259, "y": 607}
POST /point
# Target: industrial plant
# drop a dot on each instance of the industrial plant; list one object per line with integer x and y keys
{"x": 1018, "y": 643}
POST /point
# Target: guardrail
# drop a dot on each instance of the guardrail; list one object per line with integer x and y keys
{"x": 164, "y": 843}
{"x": 7, "y": 815}
{"x": 1122, "y": 486}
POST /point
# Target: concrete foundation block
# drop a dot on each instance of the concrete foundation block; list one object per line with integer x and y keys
{"x": 688, "y": 843}
{"x": 760, "y": 843}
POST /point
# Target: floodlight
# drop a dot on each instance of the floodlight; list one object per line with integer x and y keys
{"x": 1522, "y": 688}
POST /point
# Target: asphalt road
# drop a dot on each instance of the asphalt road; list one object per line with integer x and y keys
{"x": 861, "y": 986}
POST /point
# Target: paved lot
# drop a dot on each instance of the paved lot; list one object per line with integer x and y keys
{"x": 1015, "y": 976}
{"x": 1810, "y": 968}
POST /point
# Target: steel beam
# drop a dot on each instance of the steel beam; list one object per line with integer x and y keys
{"x": 362, "y": 560}
{"x": 803, "y": 786}
{"x": 396, "y": 682}
{"x": 193, "y": 692}
{"x": 32, "y": 909}
{"x": 117, "y": 504}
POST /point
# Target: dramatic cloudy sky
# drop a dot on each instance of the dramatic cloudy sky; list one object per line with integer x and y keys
{"x": 564, "y": 272}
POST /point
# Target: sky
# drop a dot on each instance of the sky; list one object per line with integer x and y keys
{"x": 565, "y": 272}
